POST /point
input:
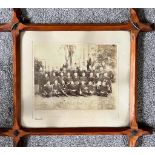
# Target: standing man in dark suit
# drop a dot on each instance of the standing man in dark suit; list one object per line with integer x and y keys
{"x": 61, "y": 77}
{"x": 68, "y": 78}
{"x": 83, "y": 77}
{"x": 41, "y": 80}
{"x": 98, "y": 77}
{"x": 53, "y": 77}
{"x": 75, "y": 77}
{"x": 91, "y": 77}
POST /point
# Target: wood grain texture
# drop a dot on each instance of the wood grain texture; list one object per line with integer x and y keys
{"x": 16, "y": 26}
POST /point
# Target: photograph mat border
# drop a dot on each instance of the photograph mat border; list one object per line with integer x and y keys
{"x": 100, "y": 35}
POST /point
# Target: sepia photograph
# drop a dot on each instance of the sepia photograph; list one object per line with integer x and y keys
{"x": 75, "y": 76}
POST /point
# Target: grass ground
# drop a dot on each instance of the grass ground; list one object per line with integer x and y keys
{"x": 74, "y": 103}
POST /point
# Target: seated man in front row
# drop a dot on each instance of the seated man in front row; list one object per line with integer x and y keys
{"x": 63, "y": 88}
{"x": 91, "y": 88}
{"x": 56, "y": 88}
{"x": 73, "y": 89}
{"x": 83, "y": 89}
{"x": 103, "y": 89}
{"x": 47, "y": 90}
{"x": 107, "y": 80}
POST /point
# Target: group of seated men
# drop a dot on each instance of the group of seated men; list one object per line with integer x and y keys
{"x": 85, "y": 83}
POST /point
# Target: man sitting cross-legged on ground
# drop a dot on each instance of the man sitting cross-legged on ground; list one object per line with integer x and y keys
{"x": 98, "y": 85}
{"x": 47, "y": 90}
{"x": 56, "y": 88}
{"x": 103, "y": 89}
{"x": 72, "y": 89}
{"x": 83, "y": 89}
{"x": 91, "y": 88}
{"x": 63, "y": 88}
{"x": 107, "y": 80}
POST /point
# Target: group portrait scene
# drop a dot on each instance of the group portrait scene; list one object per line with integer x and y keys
{"x": 93, "y": 72}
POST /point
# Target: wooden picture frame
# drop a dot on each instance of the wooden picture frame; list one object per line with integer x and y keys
{"x": 17, "y": 132}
